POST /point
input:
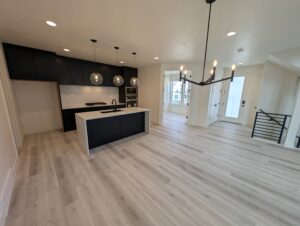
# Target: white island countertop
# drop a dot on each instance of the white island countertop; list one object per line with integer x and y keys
{"x": 97, "y": 114}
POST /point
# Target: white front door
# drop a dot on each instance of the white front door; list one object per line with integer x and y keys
{"x": 234, "y": 100}
{"x": 214, "y": 103}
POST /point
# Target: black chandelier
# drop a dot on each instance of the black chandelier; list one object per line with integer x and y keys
{"x": 211, "y": 79}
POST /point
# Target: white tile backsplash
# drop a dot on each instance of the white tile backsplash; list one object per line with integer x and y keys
{"x": 77, "y": 96}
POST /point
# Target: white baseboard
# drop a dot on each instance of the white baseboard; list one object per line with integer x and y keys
{"x": 5, "y": 195}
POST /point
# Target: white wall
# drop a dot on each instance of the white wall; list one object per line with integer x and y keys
{"x": 8, "y": 156}
{"x": 77, "y": 96}
{"x": 10, "y": 99}
{"x": 278, "y": 90}
{"x": 150, "y": 91}
{"x": 39, "y": 106}
{"x": 294, "y": 124}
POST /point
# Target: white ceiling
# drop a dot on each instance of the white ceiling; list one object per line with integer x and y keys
{"x": 174, "y": 30}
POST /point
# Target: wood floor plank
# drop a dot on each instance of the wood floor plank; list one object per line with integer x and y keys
{"x": 35, "y": 202}
{"x": 76, "y": 214}
{"x": 55, "y": 212}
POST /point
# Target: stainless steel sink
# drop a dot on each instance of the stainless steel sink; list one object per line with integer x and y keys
{"x": 109, "y": 111}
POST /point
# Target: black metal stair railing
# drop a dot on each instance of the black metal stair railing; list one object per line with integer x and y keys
{"x": 270, "y": 126}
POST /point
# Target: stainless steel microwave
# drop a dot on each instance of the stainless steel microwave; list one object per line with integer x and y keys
{"x": 130, "y": 91}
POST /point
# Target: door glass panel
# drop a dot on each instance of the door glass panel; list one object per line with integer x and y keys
{"x": 176, "y": 92}
{"x": 235, "y": 97}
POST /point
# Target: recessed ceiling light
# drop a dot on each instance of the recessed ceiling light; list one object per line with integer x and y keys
{"x": 230, "y": 34}
{"x": 51, "y": 23}
{"x": 156, "y": 58}
{"x": 122, "y": 62}
{"x": 241, "y": 63}
{"x": 66, "y": 50}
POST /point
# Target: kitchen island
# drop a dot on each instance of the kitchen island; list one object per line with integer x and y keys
{"x": 97, "y": 128}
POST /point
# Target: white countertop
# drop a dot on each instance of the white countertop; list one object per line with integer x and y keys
{"x": 97, "y": 114}
{"x": 65, "y": 107}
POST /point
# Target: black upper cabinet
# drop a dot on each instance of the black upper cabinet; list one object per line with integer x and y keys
{"x": 111, "y": 71}
{"x": 45, "y": 65}
{"x": 30, "y": 64}
{"x": 63, "y": 71}
{"x": 76, "y": 71}
{"x": 69, "y": 71}
{"x": 33, "y": 64}
{"x": 128, "y": 73}
{"x": 19, "y": 62}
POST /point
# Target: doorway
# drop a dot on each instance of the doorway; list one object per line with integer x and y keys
{"x": 176, "y": 98}
{"x": 234, "y": 108}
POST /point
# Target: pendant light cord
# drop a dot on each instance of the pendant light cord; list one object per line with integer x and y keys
{"x": 117, "y": 54}
{"x": 94, "y": 52}
{"x": 206, "y": 45}
{"x": 134, "y": 58}
{"x": 94, "y": 41}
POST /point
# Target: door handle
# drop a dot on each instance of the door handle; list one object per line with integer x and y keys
{"x": 243, "y": 103}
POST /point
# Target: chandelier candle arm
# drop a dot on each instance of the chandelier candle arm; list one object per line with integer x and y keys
{"x": 214, "y": 69}
{"x": 232, "y": 73}
{"x": 212, "y": 74}
{"x": 208, "y": 82}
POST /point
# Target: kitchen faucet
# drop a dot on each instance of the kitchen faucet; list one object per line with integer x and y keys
{"x": 114, "y": 101}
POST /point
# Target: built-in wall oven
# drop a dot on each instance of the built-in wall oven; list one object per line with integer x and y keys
{"x": 130, "y": 91}
{"x": 131, "y": 97}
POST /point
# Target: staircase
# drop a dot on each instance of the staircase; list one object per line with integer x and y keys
{"x": 270, "y": 126}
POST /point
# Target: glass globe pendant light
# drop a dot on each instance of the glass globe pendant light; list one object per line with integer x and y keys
{"x": 96, "y": 78}
{"x": 118, "y": 80}
{"x": 134, "y": 81}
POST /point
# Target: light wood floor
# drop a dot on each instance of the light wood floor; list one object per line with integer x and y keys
{"x": 176, "y": 175}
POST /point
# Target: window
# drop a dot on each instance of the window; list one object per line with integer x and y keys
{"x": 179, "y": 92}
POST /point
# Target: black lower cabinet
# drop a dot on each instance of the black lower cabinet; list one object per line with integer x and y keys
{"x": 106, "y": 130}
{"x": 68, "y": 115}
{"x": 103, "y": 131}
{"x": 132, "y": 124}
